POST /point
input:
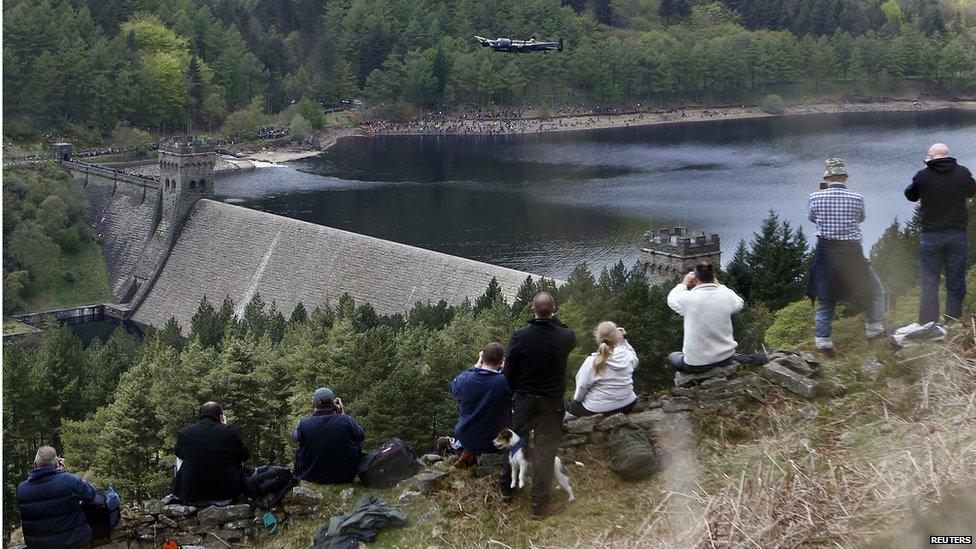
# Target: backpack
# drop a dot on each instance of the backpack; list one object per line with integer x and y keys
{"x": 268, "y": 485}
{"x": 632, "y": 454}
{"x": 387, "y": 465}
{"x": 103, "y": 513}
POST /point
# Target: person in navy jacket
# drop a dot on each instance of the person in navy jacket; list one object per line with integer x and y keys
{"x": 329, "y": 442}
{"x": 50, "y": 503}
{"x": 484, "y": 404}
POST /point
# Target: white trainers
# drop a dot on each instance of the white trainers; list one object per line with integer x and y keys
{"x": 824, "y": 343}
{"x": 874, "y": 330}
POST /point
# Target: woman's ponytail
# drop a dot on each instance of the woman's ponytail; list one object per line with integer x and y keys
{"x": 608, "y": 336}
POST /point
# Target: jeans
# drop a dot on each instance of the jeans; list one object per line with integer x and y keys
{"x": 938, "y": 251}
{"x": 823, "y": 318}
{"x": 544, "y": 416}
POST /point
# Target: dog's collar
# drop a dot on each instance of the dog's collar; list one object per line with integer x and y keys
{"x": 518, "y": 446}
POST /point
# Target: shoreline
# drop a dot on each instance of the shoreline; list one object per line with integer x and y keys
{"x": 518, "y": 126}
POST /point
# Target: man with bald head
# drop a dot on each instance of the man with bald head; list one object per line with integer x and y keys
{"x": 212, "y": 454}
{"x": 536, "y": 372}
{"x": 942, "y": 190}
{"x": 50, "y": 503}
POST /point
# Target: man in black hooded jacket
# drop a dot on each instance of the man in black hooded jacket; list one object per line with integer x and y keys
{"x": 942, "y": 190}
{"x": 536, "y": 372}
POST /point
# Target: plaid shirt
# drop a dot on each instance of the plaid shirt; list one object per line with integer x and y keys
{"x": 837, "y": 212}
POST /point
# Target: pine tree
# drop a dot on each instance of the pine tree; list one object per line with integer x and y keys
{"x": 205, "y": 326}
{"x": 492, "y": 293}
{"x": 298, "y": 314}
{"x": 172, "y": 335}
{"x": 778, "y": 260}
{"x": 255, "y": 320}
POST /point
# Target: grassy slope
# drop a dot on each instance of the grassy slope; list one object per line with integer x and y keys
{"x": 90, "y": 285}
{"x": 765, "y": 475}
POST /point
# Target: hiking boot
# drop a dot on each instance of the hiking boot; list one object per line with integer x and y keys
{"x": 548, "y": 509}
{"x": 824, "y": 343}
{"x": 506, "y": 492}
{"x": 465, "y": 460}
{"x": 875, "y": 330}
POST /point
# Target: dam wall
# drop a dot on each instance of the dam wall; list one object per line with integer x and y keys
{"x": 227, "y": 250}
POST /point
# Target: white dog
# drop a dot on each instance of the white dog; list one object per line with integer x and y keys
{"x": 520, "y": 459}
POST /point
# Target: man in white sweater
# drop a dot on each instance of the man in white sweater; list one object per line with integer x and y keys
{"x": 707, "y": 308}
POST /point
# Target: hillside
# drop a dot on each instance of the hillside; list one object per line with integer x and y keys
{"x": 84, "y": 68}
{"x": 889, "y": 445}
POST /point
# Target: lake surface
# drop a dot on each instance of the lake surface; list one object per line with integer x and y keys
{"x": 545, "y": 203}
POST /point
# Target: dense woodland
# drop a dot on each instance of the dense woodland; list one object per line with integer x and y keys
{"x": 85, "y": 65}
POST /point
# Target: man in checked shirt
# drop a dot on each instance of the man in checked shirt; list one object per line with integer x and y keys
{"x": 840, "y": 271}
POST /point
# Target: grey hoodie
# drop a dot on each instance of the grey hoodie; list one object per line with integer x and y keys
{"x": 614, "y": 388}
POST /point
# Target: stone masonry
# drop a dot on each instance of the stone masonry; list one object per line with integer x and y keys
{"x": 226, "y": 250}
{"x": 670, "y": 253}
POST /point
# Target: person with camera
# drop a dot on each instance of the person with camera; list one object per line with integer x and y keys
{"x": 707, "y": 307}
{"x": 840, "y": 272}
{"x": 942, "y": 190}
{"x": 51, "y": 503}
{"x": 210, "y": 461}
{"x": 329, "y": 442}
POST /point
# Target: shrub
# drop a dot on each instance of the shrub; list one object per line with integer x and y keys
{"x": 772, "y": 104}
{"x": 792, "y": 325}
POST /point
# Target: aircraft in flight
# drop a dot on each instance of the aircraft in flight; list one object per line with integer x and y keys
{"x": 508, "y": 45}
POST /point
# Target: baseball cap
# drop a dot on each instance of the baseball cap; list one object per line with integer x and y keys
{"x": 323, "y": 396}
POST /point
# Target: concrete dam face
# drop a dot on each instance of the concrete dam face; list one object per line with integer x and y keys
{"x": 168, "y": 246}
{"x": 227, "y": 250}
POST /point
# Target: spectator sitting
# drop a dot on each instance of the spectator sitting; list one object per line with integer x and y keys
{"x": 605, "y": 381}
{"x": 211, "y": 455}
{"x": 329, "y": 442}
{"x": 707, "y": 308}
{"x": 484, "y": 405}
{"x": 50, "y": 503}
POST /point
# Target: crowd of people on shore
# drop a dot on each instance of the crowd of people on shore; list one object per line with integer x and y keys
{"x": 522, "y": 387}
{"x": 532, "y": 120}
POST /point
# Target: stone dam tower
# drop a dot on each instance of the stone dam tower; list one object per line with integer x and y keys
{"x": 186, "y": 168}
{"x": 670, "y": 253}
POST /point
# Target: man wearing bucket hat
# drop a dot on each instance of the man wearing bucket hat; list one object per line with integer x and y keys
{"x": 840, "y": 271}
{"x": 329, "y": 442}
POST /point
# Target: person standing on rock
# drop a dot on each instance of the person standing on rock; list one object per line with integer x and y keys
{"x": 942, "y": 190}
{"x": 536, "y": 373}
{"x": 707, "y": 307}
{"x": 840, "y": 272}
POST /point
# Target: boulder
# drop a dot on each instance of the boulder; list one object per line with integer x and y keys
{"x": 612, "y": 422}
{"x": 300, "y": 510}
{"x": 427, "y": 482}
{"x": 347, "y": 495}
{"x": 797, "y": 365}
{"x": 153, "y": 506}
{"x": 583, "y": 425}
{"x": 219, "y": 515}
{"x": 306, "y": 492}
{"x": 408, "y": 496}
{"x": 227, "y": 535}
{"x": 597, "y": 437}
{"x": 238, "y": 524}
{"x": 647, "y": 420}
{"x": 430, "y": 459}
{"x": 789, "y": 380}
{"x": 174, "y": 510}
{"x": 682, "y": 379}
{"x": 678, "y": 405}
{"x": 163, "y": 519}
{"x": 871, "y": 368}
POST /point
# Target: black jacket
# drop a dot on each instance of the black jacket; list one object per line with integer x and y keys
{"x": 50, "y": 509}
{"x": 536, "y": 360}
{"x": 212, "y": 455}
{"x": 943, "y": 188}
{"x": 329, "y": 448}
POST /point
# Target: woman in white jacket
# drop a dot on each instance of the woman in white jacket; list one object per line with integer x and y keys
{"x": 605, "y": 381}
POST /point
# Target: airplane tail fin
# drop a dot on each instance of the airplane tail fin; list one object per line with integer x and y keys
{"x": 560, "y": 48}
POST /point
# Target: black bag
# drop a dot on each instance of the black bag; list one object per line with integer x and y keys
{"x": 632, "y": 454}
{"x": 268, "y": 485}
{"x": 387, "y": 465}
{"x": 103, "y": 513}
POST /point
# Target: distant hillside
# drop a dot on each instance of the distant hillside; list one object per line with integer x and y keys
{"x": 85, "y": 66}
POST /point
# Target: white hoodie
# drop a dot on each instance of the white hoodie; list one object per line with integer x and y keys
{"x": 708, "y": 310}
{"x": 614, "y": 388}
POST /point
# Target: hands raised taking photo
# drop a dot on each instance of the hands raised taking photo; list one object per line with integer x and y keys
{"x": 690, "y": 280}
{"x": 338, "y": 406}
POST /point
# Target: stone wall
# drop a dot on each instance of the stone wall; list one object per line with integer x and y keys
{"x": 226, "y": 250}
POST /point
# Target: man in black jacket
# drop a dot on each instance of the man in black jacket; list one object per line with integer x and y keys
{"x": 329, "y": 442}
{"x": 942, "y": 190}
{"x": 536, "y": 373}
{"x": 212, "y": 455}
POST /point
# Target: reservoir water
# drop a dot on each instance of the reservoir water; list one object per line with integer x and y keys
{"x": 545, "y": 203}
